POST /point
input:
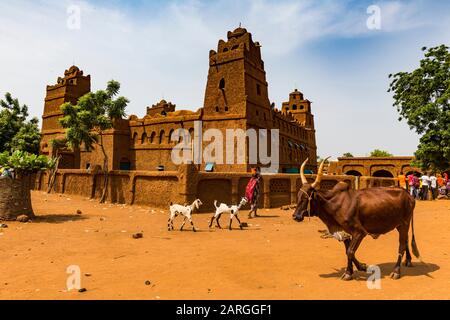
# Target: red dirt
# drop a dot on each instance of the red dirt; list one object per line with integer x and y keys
{"x": 274, "y": 258}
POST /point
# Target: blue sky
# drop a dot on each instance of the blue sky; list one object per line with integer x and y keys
{"x": 160, "y": 49}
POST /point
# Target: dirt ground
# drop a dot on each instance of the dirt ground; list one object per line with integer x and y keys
{"x": 274, "y": 258}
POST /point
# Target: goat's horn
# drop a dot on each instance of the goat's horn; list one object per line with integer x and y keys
{"x": 302, "y": 172}
{"x": 316, "y": 184}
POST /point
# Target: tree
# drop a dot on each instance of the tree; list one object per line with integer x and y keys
{"x": 57, "y": 146}
{"x": 347, "y": 155}
{"x": 87, "y": 121}
{"x": 380, "y": 153}
{"x": 16, "y": 180}
{"x": 16, "y": 133}
{"x": 422, "y": 97}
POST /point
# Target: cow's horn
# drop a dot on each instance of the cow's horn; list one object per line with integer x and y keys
{"x": 302, "y": 172}
{"x": 316, "y": 184}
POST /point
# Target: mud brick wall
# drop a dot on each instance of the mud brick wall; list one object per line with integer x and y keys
{"x": 158, "y": 189}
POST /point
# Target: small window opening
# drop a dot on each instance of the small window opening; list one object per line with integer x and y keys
{"x": 222, "y": 84}
{"x": 258, "y": 89}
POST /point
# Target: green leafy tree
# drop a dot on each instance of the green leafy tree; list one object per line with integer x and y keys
{"x": 16, "y": 133}
{"x": 23, "y": 163}
{"x": 28, "y": 138}
{"x": 380, "y": 153}
{"x": 87, "y": 121}
{"x": 347, "y": 155}
{"x": 422, "y": 97}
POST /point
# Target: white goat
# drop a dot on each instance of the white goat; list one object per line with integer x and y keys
{"x": 186, "y": 211}
{"x": 232, "y": 210}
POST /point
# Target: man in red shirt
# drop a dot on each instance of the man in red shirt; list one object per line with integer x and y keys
{"x": 252, "y": 191}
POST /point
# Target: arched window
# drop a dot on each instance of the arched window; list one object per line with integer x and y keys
{"x": 217, "y": 109}
{"x": 170, "y": 137}
{"x": 353, "y": 173}
{"x": 294, "y": 107}
{"x": 235, "y": 47}
{"x": 226, "y": 108}
{"x": 161, "y": 136}
{"x": 225, "y": 49}
{"x": 152, "y": 137}
{"x": 222, "y": 84}
{"x": 383, "y": 174}
{"x": 144, "y": 138}
{"x": 135, "y": 137}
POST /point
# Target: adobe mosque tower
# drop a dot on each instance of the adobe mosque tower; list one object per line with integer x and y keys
{"x": 236, "y": 78}
{"x": 68, "y": 89}
{"x": 300, "y": 109}
{"x": 236, "y": 90}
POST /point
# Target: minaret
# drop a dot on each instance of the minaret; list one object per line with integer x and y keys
{"x": 68, "y": 89}
{"x": 300, "y": 109}
{"x": 236, "y": 79}
{"x": 236, "y": 94}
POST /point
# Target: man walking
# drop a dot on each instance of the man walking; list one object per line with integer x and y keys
{"x": 252, "y": 191}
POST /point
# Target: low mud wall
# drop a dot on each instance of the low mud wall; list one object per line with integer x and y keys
{"x": 158, "y": 189}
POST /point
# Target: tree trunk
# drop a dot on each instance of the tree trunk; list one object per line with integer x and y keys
{"x": 15, "y": 197}
{"x": 105, "y": 181}
{"x": 51, "y": 182}
{"x": 105, "y": 172}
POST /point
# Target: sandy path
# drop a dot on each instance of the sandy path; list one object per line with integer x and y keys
{"x": 275, "y": 258}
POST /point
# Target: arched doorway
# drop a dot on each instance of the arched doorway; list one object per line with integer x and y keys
{"x": 383, "y": 174}
{"x": 353, "y": 173}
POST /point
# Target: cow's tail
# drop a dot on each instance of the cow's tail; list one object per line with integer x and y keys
{"x": 215, "y": 204}
{"x": 414, "y": 248}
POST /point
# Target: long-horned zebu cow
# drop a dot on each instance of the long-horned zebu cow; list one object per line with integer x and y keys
{"x": 372, "y": 211}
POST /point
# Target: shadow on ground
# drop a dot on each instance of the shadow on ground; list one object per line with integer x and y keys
{"x": 57, "y": 218}
{"x": 418, "y": 269}
{"x": 264, "y": 216}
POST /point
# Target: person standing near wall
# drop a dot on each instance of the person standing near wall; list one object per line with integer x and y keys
{"x": 425, "y": 179}
{"x": 411, "y": 184}
{"x": 417, "y": 186}
{"x": 253, "y": 191}
{"x": 433, "y": 186}
{"x": 440, "y": 181}
{"x": 402, "y": 181}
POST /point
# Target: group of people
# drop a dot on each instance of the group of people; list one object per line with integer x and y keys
{"x": 420, "y": 186}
